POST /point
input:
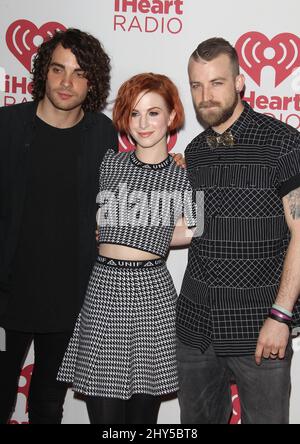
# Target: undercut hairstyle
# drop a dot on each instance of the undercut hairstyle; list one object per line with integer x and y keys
{"x": 91, "y": 58}
{"x": 212, "y": 48}
{"x": 146, "y": 82}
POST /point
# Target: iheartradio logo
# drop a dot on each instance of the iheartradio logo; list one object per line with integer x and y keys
{"x": 256, "y": 51}
{"x": 148, "y": 16}
{"x": 23, "y": 38}
{"x": 126, "y": 143}
{"x": 146, "y": 6}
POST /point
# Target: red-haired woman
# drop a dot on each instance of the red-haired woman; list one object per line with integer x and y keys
{"x": 122, "y": 353}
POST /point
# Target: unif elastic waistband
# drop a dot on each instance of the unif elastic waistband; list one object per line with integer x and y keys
{"x": 122, "y": 263}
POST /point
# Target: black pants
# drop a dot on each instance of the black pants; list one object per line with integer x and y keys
{"x": 46, "y": 395}
{"x": 139, "y": 409}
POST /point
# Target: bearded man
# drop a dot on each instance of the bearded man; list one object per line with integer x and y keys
{"x": 239, "y": 295}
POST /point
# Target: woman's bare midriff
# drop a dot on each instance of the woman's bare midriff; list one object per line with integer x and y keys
{"x": 125, "y": 253}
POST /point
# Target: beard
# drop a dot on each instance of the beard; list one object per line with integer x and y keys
{"x": 218, "y": 115}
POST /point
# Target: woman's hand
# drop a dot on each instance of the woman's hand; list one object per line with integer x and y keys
{"x": 182, "y": 235}
{"x": 179, "y": 159}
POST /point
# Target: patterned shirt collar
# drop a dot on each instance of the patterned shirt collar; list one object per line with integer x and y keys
{"x": 150, "y": 166}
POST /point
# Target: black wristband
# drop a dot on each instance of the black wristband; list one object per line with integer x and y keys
{"x": 277, "y": 318}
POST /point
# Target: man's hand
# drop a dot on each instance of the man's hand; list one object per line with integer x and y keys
{"x": 272, "y": 341}
{"x": 179, "y": 159}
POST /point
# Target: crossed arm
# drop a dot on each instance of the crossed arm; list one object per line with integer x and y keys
{"x": 274, "y": 336}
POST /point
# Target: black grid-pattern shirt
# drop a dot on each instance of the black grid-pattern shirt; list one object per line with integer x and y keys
{"x": 234, "y": 267}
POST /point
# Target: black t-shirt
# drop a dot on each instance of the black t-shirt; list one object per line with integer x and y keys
{"x": 44, "y": 287}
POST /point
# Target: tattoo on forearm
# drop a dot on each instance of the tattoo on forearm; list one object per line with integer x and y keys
{"x": 294, "y": 203}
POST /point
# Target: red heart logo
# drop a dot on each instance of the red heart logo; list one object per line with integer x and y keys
{"x": 284, "y": 56}
{"x": 21, "y": 39}
{"x": 236, "y": 406}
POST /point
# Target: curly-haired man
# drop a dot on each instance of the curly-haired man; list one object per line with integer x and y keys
{"x": 50, "y": 152}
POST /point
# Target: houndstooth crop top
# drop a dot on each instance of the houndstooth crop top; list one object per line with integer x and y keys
{"x": 139, "y": 204}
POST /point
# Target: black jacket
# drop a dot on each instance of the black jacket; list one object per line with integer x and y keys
{"x": 17, "y": 132}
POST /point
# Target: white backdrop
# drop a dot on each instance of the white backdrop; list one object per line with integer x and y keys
{"x": 158, "y": 36}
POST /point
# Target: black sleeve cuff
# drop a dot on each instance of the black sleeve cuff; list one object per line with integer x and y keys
{"x": 290, "y": 185}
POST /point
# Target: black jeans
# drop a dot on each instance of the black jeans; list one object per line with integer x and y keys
{"x": 139, "y": 409}
{"x": 46, "y": 395}
{"x": 204, "y": 387}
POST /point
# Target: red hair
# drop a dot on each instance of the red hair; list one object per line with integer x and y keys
{"x": 147, "y": 82}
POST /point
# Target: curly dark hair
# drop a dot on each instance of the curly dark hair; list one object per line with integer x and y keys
{"x": 91, "y": 58}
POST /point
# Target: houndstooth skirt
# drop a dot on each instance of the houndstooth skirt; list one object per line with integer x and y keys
{"x": 124, "y": 338}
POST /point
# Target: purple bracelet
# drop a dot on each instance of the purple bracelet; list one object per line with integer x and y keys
{"x": 280, "y": 314}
